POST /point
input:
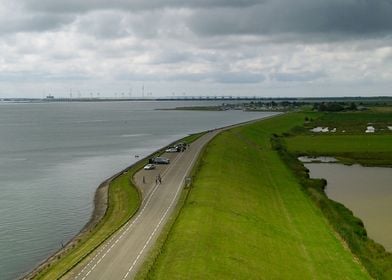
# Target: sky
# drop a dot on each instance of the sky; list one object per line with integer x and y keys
{"x": 267, "y": 48}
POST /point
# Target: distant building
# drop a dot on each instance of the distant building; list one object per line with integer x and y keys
{"x": 370, "y": 129}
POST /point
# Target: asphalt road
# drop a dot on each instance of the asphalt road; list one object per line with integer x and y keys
{"x": 122, "y": 255}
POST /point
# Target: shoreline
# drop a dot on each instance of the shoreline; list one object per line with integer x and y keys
{"x": 101, "y": 202}
{"x": 336, "y": 196}
{"x": 99, "y": 211}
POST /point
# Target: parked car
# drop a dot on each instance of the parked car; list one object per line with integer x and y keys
{"x": 161, "y": 160}
{"x": 149, "y": 166}
{"x": 171, "y": 150}
{"x": 181, "y": 147}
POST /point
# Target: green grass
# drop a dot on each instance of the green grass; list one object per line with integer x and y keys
{"x": 124, "y": 200}
{"x": 375, "y": 150}
{"x": 364, "y": 149}
{"x": 123, "y": 203}
{"x": 246, "y": 217}
{"x": 382, "y": 109}
{"x": 373, "y": 256}
{"x": 193, "y": 137}
{"x": 341, "y": 143}
{"x": 156, "y": 249}
{"x": 354, "y": 122}
{"x": 354, "y": 145}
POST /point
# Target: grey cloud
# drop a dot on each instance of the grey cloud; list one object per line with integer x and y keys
{"x": 333, "y": 17}
{"x": 313, "y": 19}
{"x": 118, "y": 24}
{"x": 172, "y": 56}
{"x": 214, "y": 77}
{"x": 238, "y": 78}
{"x": 105, "y": 24}
{"x": 222, "y": 77}
{"x": 39, "y": 76}
{"x": 220, "y": 42}
{"x": 33, "y": 23}
{"x": 131, "y": 76}
{"x": 77, "y": 6}
{"x": 298, "y": 76}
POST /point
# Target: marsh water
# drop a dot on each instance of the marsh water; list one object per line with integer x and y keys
{"x": 367, "y": 191}
{"x": 54, "y": 155}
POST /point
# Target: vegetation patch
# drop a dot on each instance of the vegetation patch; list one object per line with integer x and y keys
{"x": 372, "y": 150}
{"x": 364, "y": 149}
{"x": 123, "y": 202}
{"x": 247, "y": 217}
{"x": 193, "y": 137}
{"x": 155, "y": 252}
{"x": 351, "y": 122}
{"x": 349, "y": 143}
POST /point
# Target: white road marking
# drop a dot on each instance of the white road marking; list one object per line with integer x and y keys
{"x": 123, "y": 230}
{"x": 162, "y": 218}
{"x": 148, "y": 198}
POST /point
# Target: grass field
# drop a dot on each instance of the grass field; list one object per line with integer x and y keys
{"x": 342, "y": 143}
{"x": 364, "y": 149}
{"x": 246, "y": 217}
{"x": 354, "y": 145}
{"x": 382, "y": 109}
{"x": 355, "y": 122}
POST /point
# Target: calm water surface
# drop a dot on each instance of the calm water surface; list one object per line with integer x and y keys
{"x": 367, "y": 191}
{"x": 53, "y": 157}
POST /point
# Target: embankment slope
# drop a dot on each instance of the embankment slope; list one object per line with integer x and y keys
{"x": 247, "y": 217}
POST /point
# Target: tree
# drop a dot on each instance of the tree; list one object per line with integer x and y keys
{"x": 353, "y": 107}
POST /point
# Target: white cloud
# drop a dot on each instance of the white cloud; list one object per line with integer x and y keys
{"x": 225, "y": 47}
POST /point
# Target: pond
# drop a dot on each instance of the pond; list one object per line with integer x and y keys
{"x": 367, "y": 191}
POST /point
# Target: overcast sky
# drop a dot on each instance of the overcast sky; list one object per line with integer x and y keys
{"x": 200, "y": 47}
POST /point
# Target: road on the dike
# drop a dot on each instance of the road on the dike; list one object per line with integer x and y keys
{"x": 122, "y": 254}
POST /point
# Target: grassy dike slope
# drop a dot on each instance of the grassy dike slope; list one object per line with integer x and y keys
{"x": 246, "y": 217}
{"x": 123, "y": 203}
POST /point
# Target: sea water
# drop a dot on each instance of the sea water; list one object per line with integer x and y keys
{"x": 53, "y": 156}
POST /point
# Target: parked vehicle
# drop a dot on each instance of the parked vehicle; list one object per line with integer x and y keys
{"x": 181, "y": 147}
{"x": 149, "y": 166}
{"x": 171, "y": 150}
{"x": 161, "y": 160}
